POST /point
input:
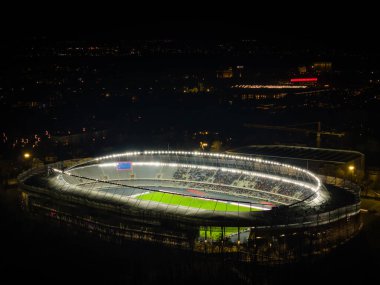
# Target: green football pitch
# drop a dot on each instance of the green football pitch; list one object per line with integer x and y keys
{"x": 193, "y": 202}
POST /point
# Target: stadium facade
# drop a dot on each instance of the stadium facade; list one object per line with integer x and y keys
{"x": 255, "y": 209}
{"x": 333, "y": 166}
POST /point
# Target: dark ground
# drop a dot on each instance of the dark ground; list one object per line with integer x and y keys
{"x": 42, "y": 253}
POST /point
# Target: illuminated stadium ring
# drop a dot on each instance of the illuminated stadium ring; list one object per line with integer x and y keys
{"x": 264, "y": 210}
{"x": 193, "y": 183}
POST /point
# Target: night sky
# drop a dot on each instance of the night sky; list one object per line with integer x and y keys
{"x": 319, "y": 22}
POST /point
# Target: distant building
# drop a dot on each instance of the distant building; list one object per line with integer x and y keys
{"x": 236, "y": 72}
{"x": 200, "y": 87}
{"x": 239, "y": 71}
{"x": 324, "y": 66}
{"x": 224, "y": 74}
{"x": 302, "y": 69}
{"x": 262, "y": 96}
{"x": 304, "y": 81}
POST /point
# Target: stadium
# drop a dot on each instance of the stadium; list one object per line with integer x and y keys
{"x": 259, "y": 210}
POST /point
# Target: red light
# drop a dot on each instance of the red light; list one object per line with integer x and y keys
{"x": 310, "y": 79}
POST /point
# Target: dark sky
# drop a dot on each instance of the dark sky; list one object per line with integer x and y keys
{"x": 320, "y": 22}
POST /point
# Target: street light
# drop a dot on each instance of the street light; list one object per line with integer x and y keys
{"x": 203, "y": 145}
{"x": 27, "y": 155}
{"x": 351, "y": 169}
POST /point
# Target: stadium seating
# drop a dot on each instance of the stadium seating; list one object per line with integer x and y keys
{"x": 209, "y": 180}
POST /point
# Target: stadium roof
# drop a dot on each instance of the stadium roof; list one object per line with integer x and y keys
{"x": 301, "y": 153}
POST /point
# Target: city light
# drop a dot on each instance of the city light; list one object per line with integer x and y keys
{"x": 27, "y": 155}
{"x": 351, "y": 168}
{"x": 203, "y": 145}
{"x": 258, "y": 86}
{"x": 310, "y": 79}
